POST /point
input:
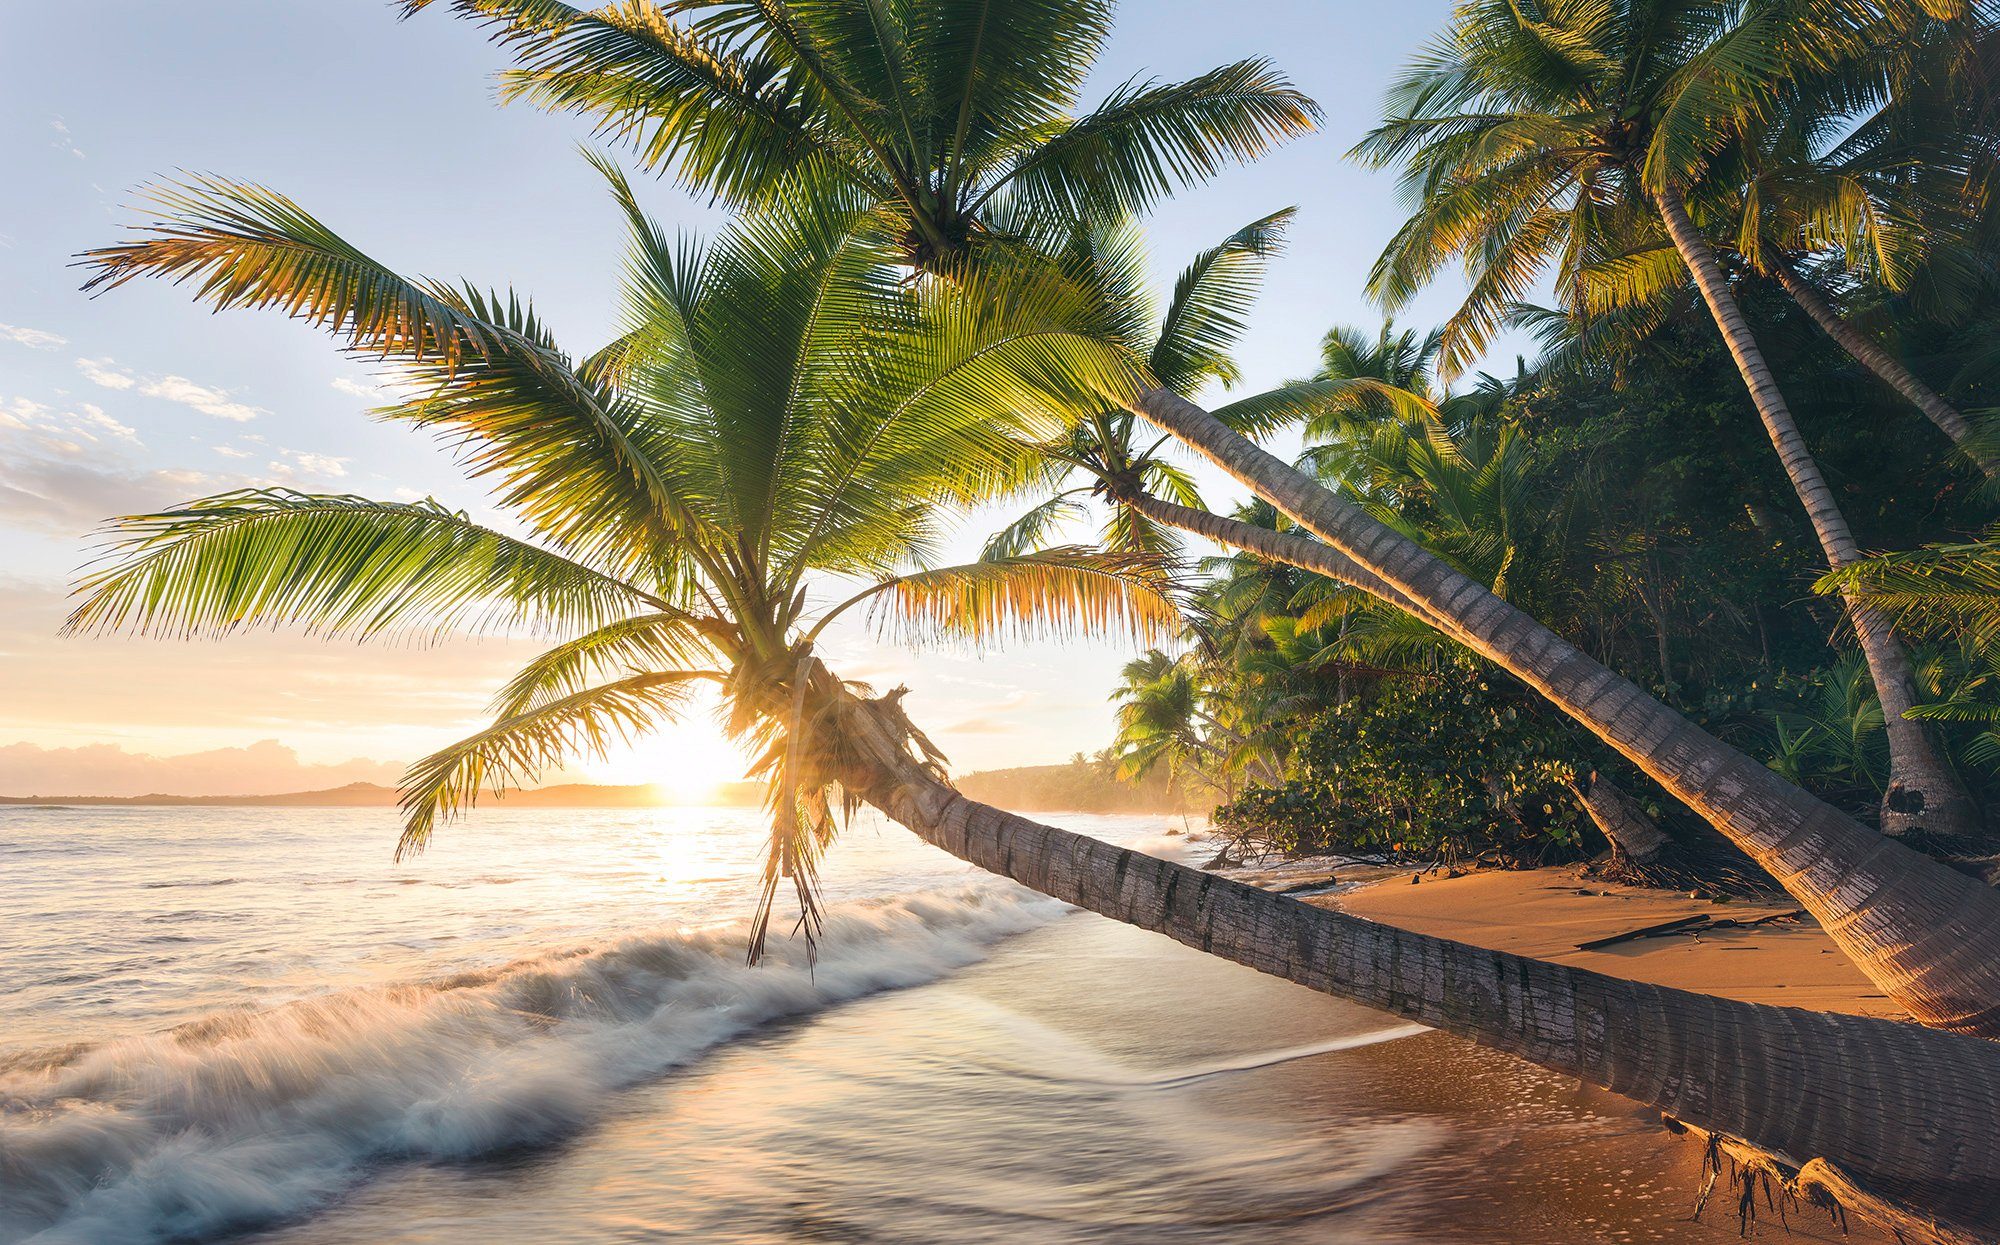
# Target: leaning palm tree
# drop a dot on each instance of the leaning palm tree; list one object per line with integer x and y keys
{"x": 959, "y": 113}
{"x": 1564, "y": 135}
{"x": 782, "y": 413}
{"x": 1863, "y": 183}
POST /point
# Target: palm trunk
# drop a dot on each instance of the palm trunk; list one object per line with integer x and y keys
{"x": 1634, "y": 836}
{"x": 1906, "y": 1113}
{"x": 1922, "y": 794}
{"x": 1927, "y": 935}
{"x": 1888, "y": 368}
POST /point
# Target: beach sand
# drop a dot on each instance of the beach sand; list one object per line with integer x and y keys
{"x": 1546, "y": 913}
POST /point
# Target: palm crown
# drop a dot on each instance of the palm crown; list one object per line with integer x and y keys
{"x": 959, "y": 112}
{"x": 1533, "y": 136}
{"x": 779, "y": 436}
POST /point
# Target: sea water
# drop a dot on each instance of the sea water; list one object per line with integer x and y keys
{"x": 253, "y": 1023}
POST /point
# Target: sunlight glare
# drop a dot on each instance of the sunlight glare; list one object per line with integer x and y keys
{"x": 688, "y": 761}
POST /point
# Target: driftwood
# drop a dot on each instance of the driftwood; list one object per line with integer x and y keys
{"x": 1690, "y": 925}
{"x": 1644, "y": 931}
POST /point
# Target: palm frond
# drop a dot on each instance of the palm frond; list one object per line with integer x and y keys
{"x": 1148, "y": 139}
{"x": 515, "y": 750}
{"x": 334, "y": 565}
{"x": 1056, "y": 593}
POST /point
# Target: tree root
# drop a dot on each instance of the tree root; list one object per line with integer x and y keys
{"x": 1679, "y": 867}
{"x": 1757, "y": 1176}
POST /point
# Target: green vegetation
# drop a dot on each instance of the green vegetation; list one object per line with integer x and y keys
{"x": 1502, "y": 616}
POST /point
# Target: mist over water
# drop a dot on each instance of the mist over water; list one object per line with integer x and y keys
{"x": 250, "y": 1023}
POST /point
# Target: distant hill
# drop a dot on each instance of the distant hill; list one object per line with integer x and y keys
{"x": 1076, "y": 787}
{"x": 372, "y": 795}
{"x": 1079, "y": 786}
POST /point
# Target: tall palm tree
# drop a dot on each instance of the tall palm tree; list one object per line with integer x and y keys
{"x": 782, "y": 413}
{"x": 1926, "y": 934}
{"x": 1563, "y": 135}
{"x": 1865, "y": 179}
{"x": 960, "y": 113}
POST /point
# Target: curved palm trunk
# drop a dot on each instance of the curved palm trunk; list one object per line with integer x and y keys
{"x": 1888, "y": 368}
{"x": 1922, "y": 791}
{"x": 1907, "y": 1113}
{"x": 1617, "y": 816}
{"x": 1927, "y": 935}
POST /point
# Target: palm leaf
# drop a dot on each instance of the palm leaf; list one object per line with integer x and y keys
{"x": 335, "y": 565}
{"x": 516, "y": 750}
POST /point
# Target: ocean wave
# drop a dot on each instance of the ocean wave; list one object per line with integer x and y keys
{"x": 245, "y": 1118}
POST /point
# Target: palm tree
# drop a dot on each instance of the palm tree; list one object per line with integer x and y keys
{"x": 1546, "y": 135}
{"x": 781, "y": 419}
{"x": 1926, "y": 934}
{"x": 960, "y": 113}
{"x": 1865, "y": 179}
{"x": 782, "y": 413}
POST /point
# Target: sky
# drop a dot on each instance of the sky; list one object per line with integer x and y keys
{"x": 389, "y": 131}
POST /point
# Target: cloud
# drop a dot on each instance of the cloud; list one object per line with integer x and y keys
{"x": 266, "y": 767}
{"x": 355, "y": 389}
{"x": 62, "y": 141}
{"x": 33, "y": 339}
{"x": 294, "y": 464}
{"x": 204, "y": 398}
{"x": 328, "y": 699}
{"x": 230, "y": 451}
{"x": 106, "y": 373}
{"x": 208, "y": 401}
{"x": 66, "y": 471}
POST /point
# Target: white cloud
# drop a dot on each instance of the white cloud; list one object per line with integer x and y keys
{"x": 355, "y": 389}
{"x": 93, "y": 417}
{"x": 66, "y": 471}
{"x": 33, "y": 339}
{"x": 106, "y": 373}
{"x": 62, "y": 141}
{"x": 204, "y": 398}
{"x": 230, "y": 451}
{"x": 295, "y": 464}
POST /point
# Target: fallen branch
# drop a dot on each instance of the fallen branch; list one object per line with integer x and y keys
{"x": 1644, "y": 931}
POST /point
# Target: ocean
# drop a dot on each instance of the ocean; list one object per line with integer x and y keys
{"x": 252, "y": 1024}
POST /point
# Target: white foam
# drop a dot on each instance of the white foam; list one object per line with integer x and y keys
{"x": 246, "y": 1118}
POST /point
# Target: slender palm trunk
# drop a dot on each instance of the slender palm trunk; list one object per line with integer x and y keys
{"x": 1906, "y": 1113}
{"x": 1636, "y": 838}
{"x": 1923, "y": 794}
{"x": 1927, "y": 935}
{"x": 1617, "y": 816}
{"x": 1888, "y": 368}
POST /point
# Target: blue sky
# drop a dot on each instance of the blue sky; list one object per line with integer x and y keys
{"x": 389, "y": 131}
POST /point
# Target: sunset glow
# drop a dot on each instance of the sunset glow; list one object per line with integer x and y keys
{"x": 688, "y": 761}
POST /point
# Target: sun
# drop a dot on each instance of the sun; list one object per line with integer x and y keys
{"x": 688, "y": 761}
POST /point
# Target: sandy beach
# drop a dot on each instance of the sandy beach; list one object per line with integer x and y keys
{"x": 1547, "y": 913}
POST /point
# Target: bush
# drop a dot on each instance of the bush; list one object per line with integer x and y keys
{"x": 1456, "y": 763}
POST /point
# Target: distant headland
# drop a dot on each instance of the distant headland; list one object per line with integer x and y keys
{"x": 1075, "y": 786}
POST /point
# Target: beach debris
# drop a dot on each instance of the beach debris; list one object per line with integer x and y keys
{"x": 1694, "y": 925}
{"x": 1644, "y": 931}
{"x": 1755, "y": 1174}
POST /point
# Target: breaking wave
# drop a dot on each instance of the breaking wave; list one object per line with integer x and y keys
{"x": 244, "y": 1118}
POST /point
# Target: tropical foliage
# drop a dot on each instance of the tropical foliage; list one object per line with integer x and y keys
{"x": 778, "y": 439}
{"x": 960, "y": 116}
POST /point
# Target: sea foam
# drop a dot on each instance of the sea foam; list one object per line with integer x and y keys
{"x": 245, "y": 1118}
